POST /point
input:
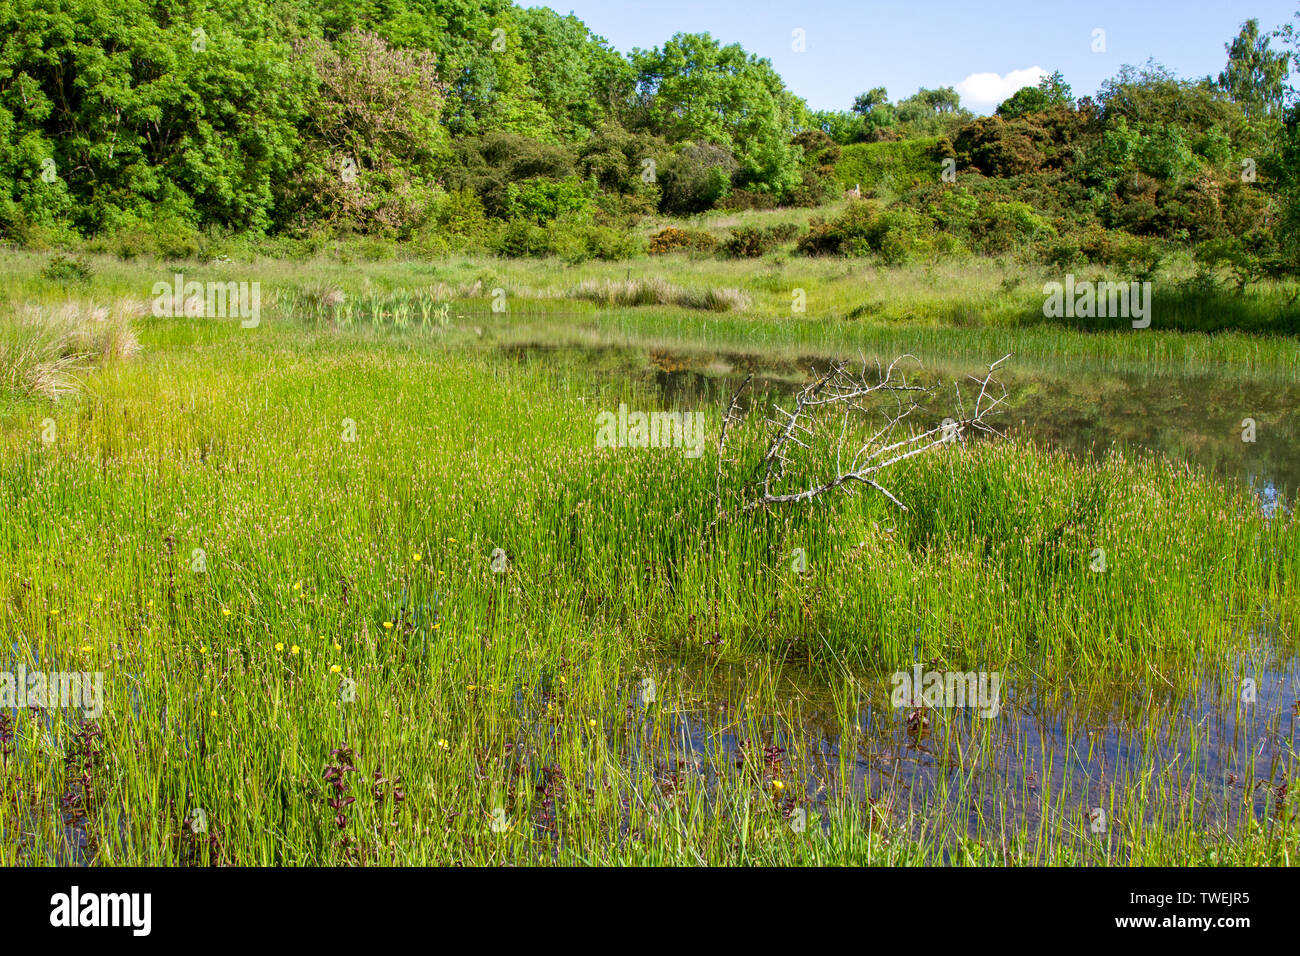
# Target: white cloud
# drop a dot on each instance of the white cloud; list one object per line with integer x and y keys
{"x": 983, "y": 91}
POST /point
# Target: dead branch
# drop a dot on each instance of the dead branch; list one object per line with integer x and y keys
{"x": 883, "y": 404}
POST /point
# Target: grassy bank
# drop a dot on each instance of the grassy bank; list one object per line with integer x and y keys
{"x": 783, "y": 307}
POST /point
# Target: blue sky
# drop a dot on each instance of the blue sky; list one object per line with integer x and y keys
{"x": 905, "y": 44}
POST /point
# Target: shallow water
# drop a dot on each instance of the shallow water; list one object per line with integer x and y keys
{"x": 1043, "y": 760}
{"x": 1037, "y": 766}
{"x": 1201, "y": 419}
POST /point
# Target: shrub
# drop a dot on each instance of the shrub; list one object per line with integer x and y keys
{"x": 1166, "y": 154}
{"x": 740, "y": 200}
{"x": 462, "y": 221}
{"x": 901, "y": 235}
{"x": 889, "y": 166}
{"x": 955, "y": 211}
{"x": 127, "y": 236}
{"x": 696, "y": 178}
{"x": 673, "y": 239}
{"x": 815, "y": 187}
{"x": 606, "y": 242}
{"x": 543, "y": 200}
{"x": 1006, "y": 225}
{"x": 615, "y": 158}
{"x": 63, "y": 268}
{"x": 750, "y": 242}
{"x": 579, "y": 242}
{"x": 1025, "y": 144}
{"x": 522, "y": 238}
{"x": 489, "y": 164}
{"x": 845, "y": 235}
{"x": 1062, "y": 252}
{"x": 1231, "y": 255}
{"x": 819, "y": 150}
{"x": 1115, "y": 248}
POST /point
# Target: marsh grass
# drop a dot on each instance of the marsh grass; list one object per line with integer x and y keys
{"x": 963, "y": 310}
{"x": 210, "y": 532}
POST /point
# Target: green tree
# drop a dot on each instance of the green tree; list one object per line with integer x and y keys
{"x": 934, "y": 112}
{"x": 579, "y": 80}
{"x": 1056, "y": 90}
{"x": 1023, "y": 102}
{"x": 876, "y": 113}
{"x": 458, "y": 33}
{"x": 1051, "y": 91}
{"x": 876, "y": 97}
{"x": 694, "y": 89}
{"x": 840, "y": 125}
{"x": 1255, "y": 75}
{"x": 147, "y": 110}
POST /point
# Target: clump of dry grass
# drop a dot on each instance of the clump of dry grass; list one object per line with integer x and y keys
{"x": 42, "y": 350}
{"x": 447, "y": 292}
{"x": 657, "y": 291}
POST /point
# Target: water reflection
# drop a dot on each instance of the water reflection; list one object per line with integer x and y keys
{"x": 1236, "y": 429}
{"x": 1042, "y": 764}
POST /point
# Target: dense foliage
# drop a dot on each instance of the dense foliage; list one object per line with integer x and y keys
{"x": 474, "y": 124}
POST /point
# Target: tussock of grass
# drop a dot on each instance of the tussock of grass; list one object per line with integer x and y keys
{"x": 43, "y": 349}
{"x": 658, "y": 291}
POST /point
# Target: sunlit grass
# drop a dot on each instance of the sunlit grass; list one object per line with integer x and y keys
{"x": 277, "y": 543}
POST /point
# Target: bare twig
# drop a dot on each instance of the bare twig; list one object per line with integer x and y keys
{"x": 859, "y": 398}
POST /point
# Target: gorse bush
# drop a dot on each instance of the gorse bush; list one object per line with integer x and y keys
{"x": 674, "y": 239}
{"x": 744, "y": 199}
{"x": 900, "y": 236}
{"x": 889, "y": 167}
{"x": 848, "y": 234}
{"x": 1001, "y": 226}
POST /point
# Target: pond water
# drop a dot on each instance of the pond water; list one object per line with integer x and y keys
{"x": 1040, "y": 764}
{"x": 1236, "y": 428}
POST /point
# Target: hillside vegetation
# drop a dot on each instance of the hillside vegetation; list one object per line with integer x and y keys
{"x": 484, "y": 128}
